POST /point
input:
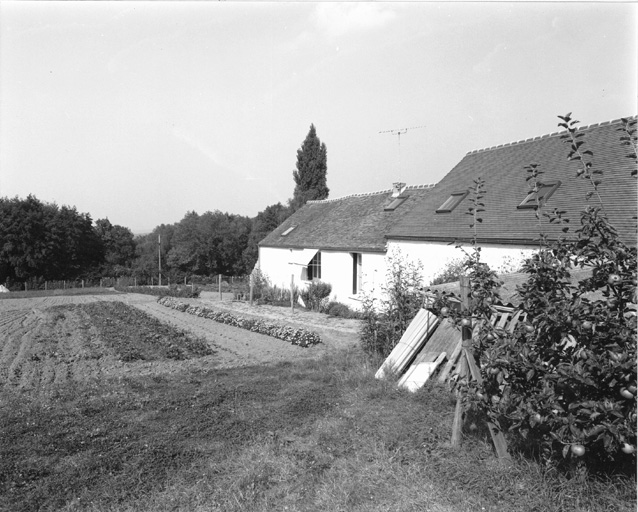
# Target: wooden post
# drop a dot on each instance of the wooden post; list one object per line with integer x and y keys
{"x": 159, "y": 259}
{"x": 25, "y": 286}
{"x": 220, "y": 287}
{"x": 45, "y": 286}
{"x": 466, "y": 342}
{"x": 292, "y": 292}
{"x": 251, "y": 289}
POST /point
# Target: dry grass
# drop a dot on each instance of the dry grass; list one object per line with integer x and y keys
{"x": 307, "y": 436}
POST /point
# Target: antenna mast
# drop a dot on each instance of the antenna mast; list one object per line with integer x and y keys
{"x": 400, "y": 131}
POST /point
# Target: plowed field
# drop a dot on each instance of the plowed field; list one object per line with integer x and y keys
{"x": 50, "y": 341}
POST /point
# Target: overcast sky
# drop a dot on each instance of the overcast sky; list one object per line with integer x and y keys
{"x": 140, "y": 112}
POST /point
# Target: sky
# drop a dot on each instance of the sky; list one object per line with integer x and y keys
{"x": 140, "y": 112}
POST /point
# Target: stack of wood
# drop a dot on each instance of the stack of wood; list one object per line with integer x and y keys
{"x": 428, "y": 341}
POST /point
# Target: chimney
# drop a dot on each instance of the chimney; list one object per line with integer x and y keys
{"x": 398, "y": 188}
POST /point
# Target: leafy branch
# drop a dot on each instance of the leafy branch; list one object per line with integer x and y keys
{"x": 574, "y": 138}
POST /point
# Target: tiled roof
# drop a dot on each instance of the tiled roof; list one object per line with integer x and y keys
{"x": 355, "y": 223}
{"x": 503, "y": 170}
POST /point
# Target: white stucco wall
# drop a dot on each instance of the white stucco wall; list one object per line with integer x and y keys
{"x": 336, "y": 269}
{"x": 435, "y": 256}
{"x": 336, "y": 266}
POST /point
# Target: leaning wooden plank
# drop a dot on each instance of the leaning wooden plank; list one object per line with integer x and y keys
{"x": 457, "y": 424}
{"x": 419, "y": 373}
{"x": 443, "y": 339}
{"x": 499, "y": 442}
{"x": 451, "y": 362}
{"x": 410, "y": 343}
{"x": 412, "y": 340}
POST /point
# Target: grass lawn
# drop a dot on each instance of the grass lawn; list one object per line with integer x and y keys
{"x": 307, "y": 436}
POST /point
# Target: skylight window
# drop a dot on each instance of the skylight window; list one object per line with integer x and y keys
{"x": 395, "y": 203}
{"x": 534, "y": 198}
{"x": 288, "y": 230}
{"x": 452, "y": 202}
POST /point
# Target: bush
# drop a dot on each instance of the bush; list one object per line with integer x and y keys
{"x": 315, "y": 295}
{"x": 450, "y": 273}
{"x": 260, "y": 283}
{"x": 384, "y": 325}
{"x": 275, "y": 296}
{"x": 340, "y": 310}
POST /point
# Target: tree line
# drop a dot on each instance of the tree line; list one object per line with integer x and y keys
{"x": 41, "y": 241}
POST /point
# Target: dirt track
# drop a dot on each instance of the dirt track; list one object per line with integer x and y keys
{"x": 40, "y": 346}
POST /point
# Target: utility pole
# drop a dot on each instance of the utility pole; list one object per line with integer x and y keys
{"x": 159, "y": 257}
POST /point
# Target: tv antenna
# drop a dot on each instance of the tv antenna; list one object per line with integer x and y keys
{"x": 401, "y": 131}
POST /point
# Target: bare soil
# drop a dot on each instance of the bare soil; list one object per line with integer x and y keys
{"x": 43, "y": 345}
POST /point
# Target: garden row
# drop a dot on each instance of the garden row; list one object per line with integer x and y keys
{"x": 301, "y": 337}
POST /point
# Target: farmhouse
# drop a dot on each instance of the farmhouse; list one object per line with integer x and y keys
{"x": 346, "y": 242}
{"x": 340, "y": 241}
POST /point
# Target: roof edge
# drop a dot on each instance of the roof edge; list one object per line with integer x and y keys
{"x": 366, "y": 194}
{"x": 465, "y": 240}
{"x": 548, "y": 135}
{"x": 340, "y": 249}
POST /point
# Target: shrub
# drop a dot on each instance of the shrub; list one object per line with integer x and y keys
{"x": 260, "y": 283}
{"x": 403, "y": 293}
{"x": 340, "y": 310}
{"x": 315, "y": 295}
{"x": 450, "y": 273}
{"x": 275, "y": 296}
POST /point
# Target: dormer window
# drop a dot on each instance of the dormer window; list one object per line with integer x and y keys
{"x": 540, "y": 196}
{"x": 452, "y": 202}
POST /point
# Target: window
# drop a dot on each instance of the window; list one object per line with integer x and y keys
{"x": 545, "y": 190}
{"x": 288, "y": 230}
{"x": 314, "y": 267}
{"x": 452, "y": 202}
{"x": 356, "y": 272}
{"x": 395, "y": 203}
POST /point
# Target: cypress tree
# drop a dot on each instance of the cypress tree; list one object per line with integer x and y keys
{"x": 312, "y": 167}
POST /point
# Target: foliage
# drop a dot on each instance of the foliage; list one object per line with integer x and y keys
{"x": 273, "y": 295}
{"x": 312, "y": 167}
{"x": 450, "y": 272}
{"x": 265, "y": 222}
{"x": 403, "y": 296}
{"x": 119, "y": 247}
{"x": 563, "y": 384}
{"x": 300, "y": 337}
{"x": 315, "y": 295}
{"x": 208, "y": 244}
{"x": 173, "y": 290}
{"x": 42, "y": 240}
{"x": 260, "y": 283}
{"x": 340, "y": 310}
